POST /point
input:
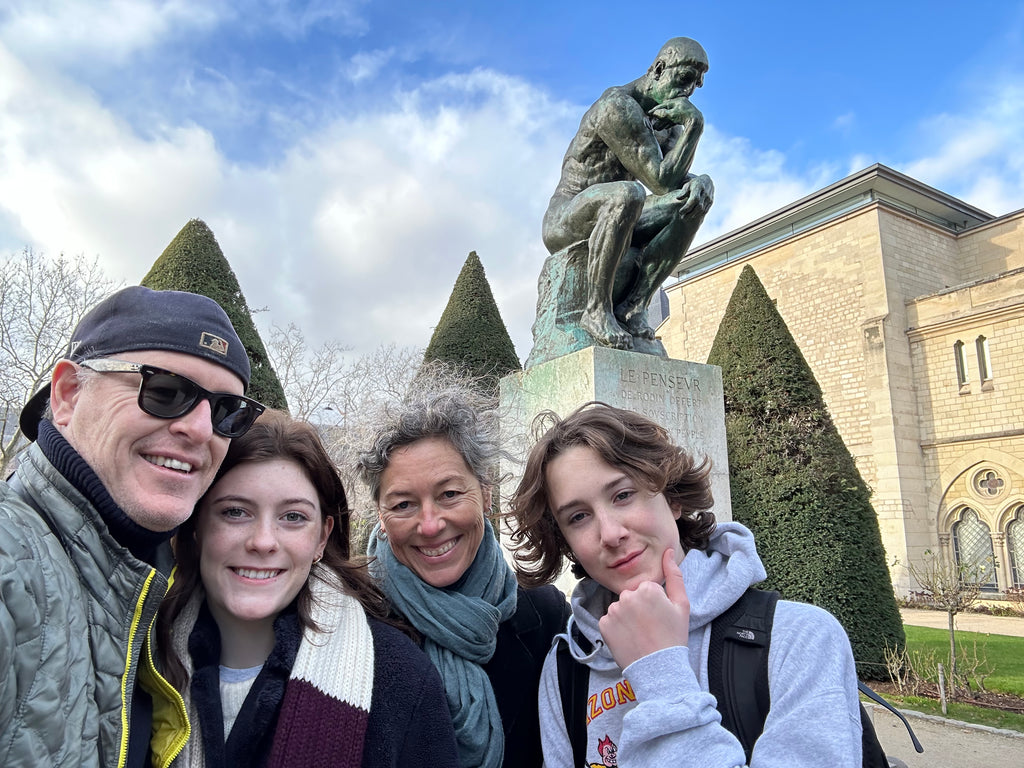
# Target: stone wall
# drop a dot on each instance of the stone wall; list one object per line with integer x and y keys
{"x": 825, "y": 283}
{"x": 993, "y": 248}
{"x": 875, "y": 299}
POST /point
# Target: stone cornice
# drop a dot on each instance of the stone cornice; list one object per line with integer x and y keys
{"x": 875, "y": 184}
{"x": 973, "y": 318}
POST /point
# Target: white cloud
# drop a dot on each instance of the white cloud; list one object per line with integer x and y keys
{"x": 366, "y": 64}
{"x": 859, "y": 162}
{"x": 66, "y": 31}
{"x": 75, "y": 179}
{"x": 749, "y": 182}
{"x": 976, "y": 155}
{"x": 395, "y": 200}
{"x": 294, "y": 18}
{"x": 357, "y": 234}
{"x": 357, "y": 229}
{"x": 844, "y": 122}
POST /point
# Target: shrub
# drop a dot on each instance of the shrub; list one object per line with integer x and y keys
{"x": 795, "y": 484}
{"x": 471, "y": 334}
{"x": 194, "y": 262}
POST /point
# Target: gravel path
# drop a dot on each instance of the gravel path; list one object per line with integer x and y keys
{"x": 947, "y": 743}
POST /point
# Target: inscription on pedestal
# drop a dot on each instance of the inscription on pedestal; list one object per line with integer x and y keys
{"x": 666, "y": 398}
{"x": 677, "y": 401}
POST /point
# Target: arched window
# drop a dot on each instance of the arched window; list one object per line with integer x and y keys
{"x": 972, "y": 545}
{"x": 961, "y": 363}
{"x": 1015, "y": 543}
{"x": 984, "y": 363}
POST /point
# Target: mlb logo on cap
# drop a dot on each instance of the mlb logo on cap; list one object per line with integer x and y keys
{"x": 213, "y": 343}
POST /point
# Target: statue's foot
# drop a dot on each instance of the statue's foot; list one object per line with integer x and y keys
{"x": 603, "y": 327}
{"x": 635, "y": 321}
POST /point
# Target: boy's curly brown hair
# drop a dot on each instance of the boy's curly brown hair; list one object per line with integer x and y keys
{"x": 625, "y": 440}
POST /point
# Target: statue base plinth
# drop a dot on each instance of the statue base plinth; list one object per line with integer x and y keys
{"x": 561, "y": 297}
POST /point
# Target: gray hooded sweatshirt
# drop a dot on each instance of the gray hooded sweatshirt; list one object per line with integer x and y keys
{"x": 658, "y": 712}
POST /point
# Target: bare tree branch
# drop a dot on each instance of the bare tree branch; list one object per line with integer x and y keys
{"x": 953, "y": 587}
{"x": 41, "y": 302}
{"x": 342, "y": 395}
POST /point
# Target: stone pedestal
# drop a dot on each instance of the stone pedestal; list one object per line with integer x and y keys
{"x": 684, "y": 397}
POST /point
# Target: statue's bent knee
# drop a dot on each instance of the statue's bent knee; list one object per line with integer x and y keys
{"x": 628, "y": 196}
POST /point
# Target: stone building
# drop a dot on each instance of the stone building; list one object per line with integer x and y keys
{"x": 909, "y": 307}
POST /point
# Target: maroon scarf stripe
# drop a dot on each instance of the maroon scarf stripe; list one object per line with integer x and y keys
{"x": 295, "y": 743}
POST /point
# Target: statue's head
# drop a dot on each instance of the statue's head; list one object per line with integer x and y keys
{"x": 678, "y": 69}
{"x": 682, "y": 50}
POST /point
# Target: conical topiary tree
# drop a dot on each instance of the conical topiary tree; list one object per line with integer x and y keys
{"x": 194, "y": 262}
{"x": 471, "y": 334}
{"x": 795, "y": 484}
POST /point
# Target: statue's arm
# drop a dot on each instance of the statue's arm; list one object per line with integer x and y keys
{"x": 622, "y": 125}
{"x": 687, "y": 127}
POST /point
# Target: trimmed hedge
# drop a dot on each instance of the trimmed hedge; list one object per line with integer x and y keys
{"x": 471, "y": 334}
{"x": 795, "y": 484}
{"x": 194, "y": 262}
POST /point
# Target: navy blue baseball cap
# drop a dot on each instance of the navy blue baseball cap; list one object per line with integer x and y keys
{"x": 138, "y": 318}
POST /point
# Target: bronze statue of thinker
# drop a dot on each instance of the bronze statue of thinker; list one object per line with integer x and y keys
{"x": 612, "y": 243}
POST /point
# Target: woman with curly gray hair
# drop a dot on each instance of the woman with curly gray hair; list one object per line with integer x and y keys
{"x": 431, "y": 470}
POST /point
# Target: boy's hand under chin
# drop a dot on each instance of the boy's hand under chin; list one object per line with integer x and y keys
{"x": 648, "y": 618}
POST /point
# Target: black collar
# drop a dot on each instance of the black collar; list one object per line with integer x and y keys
{"x": 141, "y": 542}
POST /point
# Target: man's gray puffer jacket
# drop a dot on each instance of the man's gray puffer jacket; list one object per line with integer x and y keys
{"x": 76, "y": 610}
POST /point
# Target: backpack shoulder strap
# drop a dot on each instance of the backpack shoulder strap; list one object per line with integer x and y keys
{"x": 872, "y": 754}
{"x": 573, "y": 680}
{"x": 738, "y": 655}
{"x": 871, "y": 748}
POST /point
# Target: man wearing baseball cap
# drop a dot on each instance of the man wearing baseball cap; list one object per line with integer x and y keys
{"x": 128, "y": 435}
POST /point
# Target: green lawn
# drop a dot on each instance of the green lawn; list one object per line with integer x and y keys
{"x": 1005, "y": 657}
{"x": 1005, "y": 654}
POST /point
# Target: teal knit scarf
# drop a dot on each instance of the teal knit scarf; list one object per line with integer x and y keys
{"x": 460, "y": 629}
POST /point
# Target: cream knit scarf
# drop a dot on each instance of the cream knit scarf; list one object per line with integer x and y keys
{"x": 327, "y": 700}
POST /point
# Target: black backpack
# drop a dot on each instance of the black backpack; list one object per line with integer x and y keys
{"x": 737, "y": 655}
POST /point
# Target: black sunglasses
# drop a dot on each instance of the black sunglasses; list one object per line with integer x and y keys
{"x": 168, "y": 395}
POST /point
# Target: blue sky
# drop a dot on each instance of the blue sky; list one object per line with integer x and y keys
{"x": 348, "y": 155}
